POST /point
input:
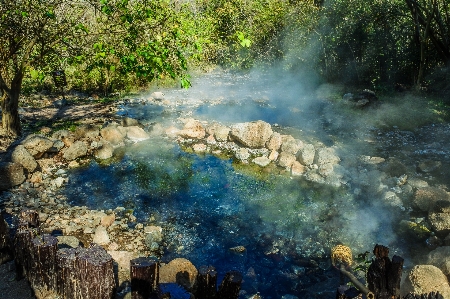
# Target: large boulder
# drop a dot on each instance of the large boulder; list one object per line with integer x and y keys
{"x": 113, "y": 134}
{"x": 218, "y": 131}
{"x": 193, "y": 129}
{"x": 274, "y": 142}
{"x": 290, "y": 144}
{"x": 23, "y": 157}
{"x": 286, "y": 160}
{"x": 180, "y": 271}
{"x": 425, "y": 198}
{"x": 440, "y": 257}
{"x": 306, "y": 154}
{"x": 37, "y": 145}
{"x": 86, "y": 131}
{"x": 252, "y": 134}
{"x": 423, "y": 279}
{"x": 439, "y": 216}
{"x": 326, "y": 155}
{"x": 136, "y": 134}
{"x": 105, "y": 151}
{"x": 76, "y": 150}
{"x": 11, "y": 174}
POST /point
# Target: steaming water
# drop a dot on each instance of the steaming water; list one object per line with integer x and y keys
{"x": 208, "y": 204}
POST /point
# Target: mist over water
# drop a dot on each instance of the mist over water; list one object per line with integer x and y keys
{"x": 207, "y": 204}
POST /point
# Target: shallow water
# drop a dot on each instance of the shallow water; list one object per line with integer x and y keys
{"x": 207, "y": 204}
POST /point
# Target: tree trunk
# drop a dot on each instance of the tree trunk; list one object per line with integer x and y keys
{"x": 10, "y": 107}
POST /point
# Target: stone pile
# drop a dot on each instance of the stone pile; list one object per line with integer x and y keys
{"x": 256, "y": 142}
{"x": 39, "y": 157}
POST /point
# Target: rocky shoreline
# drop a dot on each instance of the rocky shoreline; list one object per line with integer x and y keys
{"x": 33, "y": 170}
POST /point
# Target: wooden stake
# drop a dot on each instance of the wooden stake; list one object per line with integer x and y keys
{"x": 206, "y": 283}
{"x": 144, "y": 274}
{"x": 42, "y": 271}
{"x": 230, "y": 286}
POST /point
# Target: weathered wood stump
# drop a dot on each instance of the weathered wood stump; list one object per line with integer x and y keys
{"x": 230, "y": 286}
{"x": 67, "y": 285}
{"x": 144, "y": 274}
{"x": 95, "y": 273}
{"x": 27, "y": 229}
{"x": 384, "y": 275}
{"x": 42, "y": 271}
{"x": 206, "y": 283}
{"x": 6, "y": 253}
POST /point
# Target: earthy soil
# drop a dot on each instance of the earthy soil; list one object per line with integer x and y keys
{"x": 35, "y": 119}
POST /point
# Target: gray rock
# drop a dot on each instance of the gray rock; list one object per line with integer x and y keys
{"x": 274, "y": 142}
{"x": 37, "y": 145}
{"x": 136, "y": 134}
{"x": 76, "y": 150}
{"x": 68, "y": 241}
{"x": 252, "y": 134}
{"x": 11, "y": 174}
{"x": 440, "y": 257}
{"x": 286, "y": 159}
{"x": 193, "y": 129}
{"x": 129, "y": 122}
{"x": 439, "y": 216}
{"x": 101, "y": 236}
{"x": 153, "y": 234}
{"x": 57, "y": 146}
{"x": 424, "y": 279}
{"x": 157, "y": 95}
{"x": 290, "y": 144}
{"x": 429, "y": 166}
{"x": 23, "y": 157}
{"x": 326, "y": 155}
{"x": 113, "y": 134}
{"x": 221, "y": 133}
{"x": 61, "y": 134}
{"x": 242, "y": 154}
{"x": 306, "y": 154}
{"x": 106, "y": 151}
{"x": 87, "y": 131}
{"x": 425, "y": 198}
{"x": 262, "y": 161}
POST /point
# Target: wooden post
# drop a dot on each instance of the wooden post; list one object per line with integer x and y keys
{"x": 67, "y": 285}
{"x": 230, "y": 286}
{"x": 384, "y": 275}
{"x": 42, "y": 272}
{"x": 5, "y": 242}
{"x": 94, "y": 270}
{"x": 27, "y": 229}
{"x": 144, "y": 274}
{"x": 206, "y": 283}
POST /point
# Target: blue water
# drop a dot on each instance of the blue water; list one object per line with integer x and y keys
{"x": 206, "y": 207}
